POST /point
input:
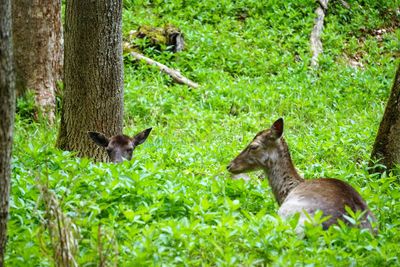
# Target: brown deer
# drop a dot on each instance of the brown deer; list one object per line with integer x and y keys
{"x": 119, "y": 147}
{"x": 269, "y": 151}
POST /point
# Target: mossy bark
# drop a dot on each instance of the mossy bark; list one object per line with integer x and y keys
{"x": 386, "y": 149}
{"x": 168, "y": 37}
{"x": 38, "y": 51}
{"x": 7, "y": 113}
{"x": 93, "y": 71}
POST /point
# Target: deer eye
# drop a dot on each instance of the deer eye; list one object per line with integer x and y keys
{"x": 254, "y": 147}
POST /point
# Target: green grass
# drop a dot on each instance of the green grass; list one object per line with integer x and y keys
{"x": 174, "y": 203}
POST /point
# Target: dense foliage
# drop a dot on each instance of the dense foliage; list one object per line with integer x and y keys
{"x": 174, "y": 203}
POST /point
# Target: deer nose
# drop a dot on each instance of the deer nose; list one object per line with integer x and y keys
{"x": 229, "y": 166}
{"x": 118, "y": 160}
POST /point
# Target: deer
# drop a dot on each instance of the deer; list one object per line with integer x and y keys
{"x": 119, "y": 147}
{"x": 294, "y": 194}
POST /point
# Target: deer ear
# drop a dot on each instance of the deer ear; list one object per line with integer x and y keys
{"x": 99, "y": 138}
{"x": 141, "y": 137}
{"x": 277, "y": 128}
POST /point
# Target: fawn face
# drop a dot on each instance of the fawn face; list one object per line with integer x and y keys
{"x": 119, "y": 147}
{"x": 261, "y": 152}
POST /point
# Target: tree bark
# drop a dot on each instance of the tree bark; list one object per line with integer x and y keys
{"x": 7, "y": 110}
{"x": 386, "y": 149}
{"x": 93, "y": 92}
{"x": 38, "y": 50}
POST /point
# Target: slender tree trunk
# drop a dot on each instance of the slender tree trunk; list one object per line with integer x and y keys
{"x": 38, "y": 50}
{"x": 315, "y": 39}
{"x": 386, "y": 149}
{"x": 93, "y": 94}
{"x": 7, "y": 110}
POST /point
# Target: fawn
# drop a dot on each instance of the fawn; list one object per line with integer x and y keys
{"x": 269, "y": 151}
{"x": 119, "y": 147}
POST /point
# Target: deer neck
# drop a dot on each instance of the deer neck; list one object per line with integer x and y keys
{"x": 281, "y": 173}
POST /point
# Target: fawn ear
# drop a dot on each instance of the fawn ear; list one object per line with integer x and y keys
{"x": 141, "y": 137}
{"x": 277, "y": 128}
{"x": 99, "y": 138}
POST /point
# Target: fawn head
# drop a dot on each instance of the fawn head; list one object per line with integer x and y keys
{"x": 119, "y": 147}
{"x": 261, "y": 152}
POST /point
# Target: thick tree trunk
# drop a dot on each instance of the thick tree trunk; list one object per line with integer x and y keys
{"x": 93, "y": 94}
{"x": 38, "y": 50}
{"x": 7, "y": 109}
{"x": 386, "y": 149}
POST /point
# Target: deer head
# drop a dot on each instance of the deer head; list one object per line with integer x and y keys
{"x": 119, "y": 147}
{"x": 262, "y": 152}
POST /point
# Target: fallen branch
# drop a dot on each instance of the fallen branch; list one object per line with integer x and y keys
{"x": 315, "y": 39}
{"x": 345, "y": 4}
{"x": 175, "y": 74}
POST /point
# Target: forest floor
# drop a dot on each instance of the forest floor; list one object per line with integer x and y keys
{"x": 174, "y": 203}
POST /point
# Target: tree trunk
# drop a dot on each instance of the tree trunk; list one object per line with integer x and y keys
{"x": 38, "y": 51}
{"x": 7, "y": 109}
{"x": 93, "y": 93}
{"x": 315, "y": 39}
{"x": 386, "y": 149}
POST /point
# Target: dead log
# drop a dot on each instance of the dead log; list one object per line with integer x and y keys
{"x": 168, "y": 38}
{"x": 175, "y": 74}
{"x": 315, "y": 39}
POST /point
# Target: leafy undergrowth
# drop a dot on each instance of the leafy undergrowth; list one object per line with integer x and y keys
{"x": 174, "y": 203}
